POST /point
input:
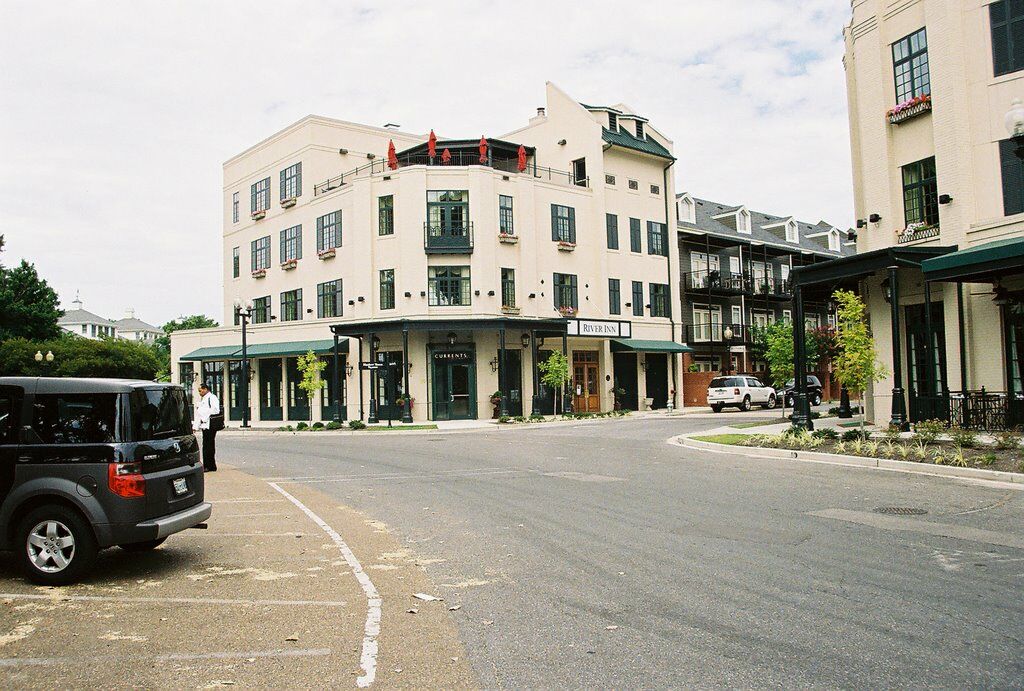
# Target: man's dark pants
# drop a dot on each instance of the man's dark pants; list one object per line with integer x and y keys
{"x": 209, "y": 450}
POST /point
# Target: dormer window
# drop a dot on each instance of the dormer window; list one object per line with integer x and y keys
{"x": 613, "y": 122}
{"x": 792, "y": 233}
{"x": 639, "y": 129}
{"x": 833, "y": 240}
{"x": 743, "y": 221}
{"x": 685, "y": 210}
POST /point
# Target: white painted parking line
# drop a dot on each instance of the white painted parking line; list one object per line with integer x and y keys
{"x": 371, "y": 629}
{"x": 59, "y": 597}
{"x": 419, "y": 476}
{"x": 250, "y": 501}
{"x": 169, "y": 657}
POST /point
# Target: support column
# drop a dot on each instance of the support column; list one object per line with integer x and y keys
{"x": 898, "y": 415}
{"x": 931, "y": 379}
{"x": 406, "y": 365}
{"x": 503, "y": 388}
{"x": 536, "y": 404}
{"x": 963, "y": 337}
{"x": 336, "y": 377}
{"x": 801, "y": 409}
{"x": 373, "y": 417}
{"x": 359, "y": 373}
{"x": 566, "y": 392}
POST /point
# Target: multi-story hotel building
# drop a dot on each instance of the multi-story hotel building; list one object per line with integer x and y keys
{"x": 939, "y": 194}
{"x": 458, "y": 264}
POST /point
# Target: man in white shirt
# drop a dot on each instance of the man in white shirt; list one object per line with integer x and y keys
{"x": 208, "y": 405}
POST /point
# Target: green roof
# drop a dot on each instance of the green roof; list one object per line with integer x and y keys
{"x": 648, "y": 346}
{"x": 254, "y": 350}
{"x": 628, "y": 141}
{"x": 981, "y": 263}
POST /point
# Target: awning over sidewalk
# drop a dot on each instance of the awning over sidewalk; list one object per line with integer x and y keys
{"x": 982, "y": 263}
{"x": 254, "y": 350}
{"x": 865, "y": 264}
{"x": 640, "y": 345}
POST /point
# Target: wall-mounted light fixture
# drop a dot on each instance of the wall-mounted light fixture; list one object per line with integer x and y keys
{"x": 371, "y": 156}
{"x": 348, "y": 370}
{"x": 525, "y": 340}
{"x": 361, "y": 299}
{"x": 945, "y": 199}
{"x": 408, "y": 294}
{"x": 452, "y": 337}
{"x": 342, "y": 151}
{"x": 423, "y": 293}
{"x": 351, "y": 303}
{"x": 532, "y": 295}
{"x": 561, "y": 142}
{"x": 861, "y": 223}
{"x": 375, "y": 342}
{"x": 490, "y": 293}
{"x": 494, "y": 363}
{"x": 874, "y": 218}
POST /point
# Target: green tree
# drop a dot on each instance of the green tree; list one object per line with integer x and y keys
{"x": 555, "y": 374}
{"x": 780, "y": 356}
{"x": 856, "y": 364}
{"x": 78, "y": 357}
{"x": 162, "y": 344}
{"x": 29, "y": 307}
{"x": 311, "y": 366}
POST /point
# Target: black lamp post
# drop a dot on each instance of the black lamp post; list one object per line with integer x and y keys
{"x": 244, "y": 312}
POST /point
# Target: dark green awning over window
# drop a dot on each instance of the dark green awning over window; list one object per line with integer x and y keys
{"x": 644, "y": 346}
{"x": 981, "y": 263}
{"x": 255, "y": 350}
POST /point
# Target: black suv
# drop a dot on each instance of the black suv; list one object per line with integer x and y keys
{"x": 814, "y": 391}
{"x": 91, "y": 463}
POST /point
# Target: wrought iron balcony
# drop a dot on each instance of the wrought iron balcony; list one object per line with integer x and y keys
{"x": 772, "y": 288}
{"x": 910, "y": 234}
{"x": 448, "y": 238}
{"x": 717, "y": 282}
{"x": 715, "y": 333}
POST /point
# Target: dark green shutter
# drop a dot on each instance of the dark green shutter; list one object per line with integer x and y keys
{"x": 1012, "y": 170}
{"x": 282, "y": 184}
{"x": 612, "y": 224}
{"x": 554, "y": 222}
{"x": 572, "y": 225}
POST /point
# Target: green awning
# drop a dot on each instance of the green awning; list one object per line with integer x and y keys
{"x": 980, "y": 264}
{"x": 258, "y": 350}
{"x": 645, "y": 346}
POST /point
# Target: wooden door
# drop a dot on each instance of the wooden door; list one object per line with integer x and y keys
{"x": 585, "y": 382}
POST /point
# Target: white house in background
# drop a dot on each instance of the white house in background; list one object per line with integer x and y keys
{"x": 132, "y": 329}
{"x": 86, "y": 324}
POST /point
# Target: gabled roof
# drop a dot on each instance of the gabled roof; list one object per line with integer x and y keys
{"x": 132, "y": 324}
{"x": 83, "y": 317}
{"x": 628, "y": 141}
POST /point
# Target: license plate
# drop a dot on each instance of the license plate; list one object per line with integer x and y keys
{"x": 180, "y": 486}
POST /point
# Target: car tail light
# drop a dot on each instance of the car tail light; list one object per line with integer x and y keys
{"x": 736, "y": 392}
{"x": 126, "y": 480}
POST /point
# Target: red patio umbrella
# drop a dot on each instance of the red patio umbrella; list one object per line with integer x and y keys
{"x": 446, "y": 156}
{"x": 522, "y": 158}
{"x": 392, "y": 156}
{"x": 483, "y": 149}
{"x": 432, "y": 145}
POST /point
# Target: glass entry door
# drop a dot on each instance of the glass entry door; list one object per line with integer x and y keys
{"x": 298, "y": 400}
{"x": 270, "y": 390}
{"x": 454, "y": 385}
{"x": 1013, "y": 317}
{"x": 927, "y": 389}
{"x": 236, "y": 394}
{"x": 514, "y": 387}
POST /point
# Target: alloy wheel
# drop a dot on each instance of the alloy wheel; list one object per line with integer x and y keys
{"x": 50, "y": 546}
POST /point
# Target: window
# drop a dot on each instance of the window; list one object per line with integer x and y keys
{"x": 734, "y": 266}
{"x": 235, "y": 262}
{"x": 505, "y": 225}
{"x": 609, "y": 179}
{"x": 659, "y": 300}
{"x": 613, "y": 122}
{"x": 657, "y": 239}
{"x": 655, "y": 189}
{"x": 614, "y": 296}
{"x": 291, "y": 182}
{"x": 792, "y": 232}
{"x": 387, "y": 289}
{"x": 743, "y": 221}
{"x": 638, "y": 299}
{"x": 234, "y": 207}
{"x": 579, "y": 172}
{"x": 259, "y": 199}
{"x": 386, "y": 215}
{"x": 633, "y": 185}
{"x": 787, "y": 316}
{"x": 508, "y": 287}
{"x": 737, "y": 315}
{"x": 563, "y": 223}
{"x": 686, "y": 210}
{"x": 833, "y": 240}
{"x": 291, "y": 305}
{"x": 634, "y": 235}
{"x": 159, "y": 414}
{"x": 640, "y": 129}
{"x": 328, "y": 231}
{"x": 328, "y": 299}
{"x": 611, "y": 222}
{"x": 910, "y": 66}
{"x": 920, "y": 193}
{"x": 1007, "y": 25}
{"x": 261, "y": 310}
{"x": 260, "y": 253}
{"x": 565, "y": 292}
{"x": 291, "y": 244}
{"x": 76, "y": 418}
{"x": 448, "y": 286}
{"x": 1012, "y": 169}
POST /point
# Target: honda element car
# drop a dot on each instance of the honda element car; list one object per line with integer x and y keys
{"x": 91, "y": 463}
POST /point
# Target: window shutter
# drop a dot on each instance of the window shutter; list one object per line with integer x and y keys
{"x": 1012, "y": 170}
{"x": 572, "y": 225}
{"x": 664, "y": 239}
{"x": 282, "y": 185}
{"x": 554, "y": 222}
{"x": 298, "y": 241}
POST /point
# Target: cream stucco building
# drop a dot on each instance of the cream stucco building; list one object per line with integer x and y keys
{"x": 456, "y": 265}
{"x": 939, "y": 194}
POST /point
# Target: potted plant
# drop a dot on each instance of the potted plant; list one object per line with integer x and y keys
{"x": 404, "y": 399}
{"x": 508, "y": 238}
{"x": 289, "y": 202}
{"x": 260, "y": 214}
{"x": 327, "y": 253}
{"x": 566, "y": 246}
{"x": 618, "y": 392}
{"x": 259, "y": 273}
{"x": 496, "y": 402}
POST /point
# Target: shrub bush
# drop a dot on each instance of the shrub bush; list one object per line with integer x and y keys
{"x": 826, "y": 433}
{"x": 519, "y": 418}
{"x": 301, "y": 426}
{"x": 1008, "y": 440}
{"x": 987, "y": 459}
{"x": 504, "y": 419}
{"x": 928, "y": 431}
{"x": 79, "y": 357}
{"x": 964, "y": 438}
{"x": 854, "y": 435}
{"x": 318, "y": 425}
{"x": 356, "y": 424}
{"x": 332, "y": 425}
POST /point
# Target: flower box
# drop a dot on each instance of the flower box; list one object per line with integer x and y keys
{"x": 505, "y": 309}
{"x": 259, "y": 273}
{"x": 259, "y": 215}
{"x": 507, "y": 238}
{"x": 326, "y": 254}
{"x": 564, "y": 246}
{"x": 289, "y": 202}
{"x": 907, "y": 110}
{"x": 289, "y": 265}
{"x": 567, "y": 311}
{"x": 916, "y": 231}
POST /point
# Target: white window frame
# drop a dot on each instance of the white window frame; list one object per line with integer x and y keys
{"x": 792, "y": 232}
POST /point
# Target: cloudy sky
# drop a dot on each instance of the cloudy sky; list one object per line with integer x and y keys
{"x": 115, "y": 116}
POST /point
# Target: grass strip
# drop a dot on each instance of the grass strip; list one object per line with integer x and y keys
{"x": 398, "y": 427}
{"x": 733, "y": 439}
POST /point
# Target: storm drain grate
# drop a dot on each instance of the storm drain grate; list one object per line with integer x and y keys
{"x": 901, "y": 510}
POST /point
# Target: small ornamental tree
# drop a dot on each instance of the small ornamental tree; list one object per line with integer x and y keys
{"x": 779, "y": 354}
{"x": 856, "y": 364}
{"x": 310, "y": 366}
{"x": 555, "y": 374}
{"x": 825, "y": 344}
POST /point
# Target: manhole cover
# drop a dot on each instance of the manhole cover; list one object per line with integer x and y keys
{"x": 901, "y": 510}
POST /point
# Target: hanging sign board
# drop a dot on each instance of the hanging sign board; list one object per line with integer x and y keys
{"x": 599, "y": 328}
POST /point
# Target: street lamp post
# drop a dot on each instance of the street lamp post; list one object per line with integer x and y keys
{"x": 244, "y": 310}
{"x": 1014, "y": 121}
{"x": 40, "y": 357}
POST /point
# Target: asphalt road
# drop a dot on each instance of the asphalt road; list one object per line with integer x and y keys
{"x": 597, "y": 555}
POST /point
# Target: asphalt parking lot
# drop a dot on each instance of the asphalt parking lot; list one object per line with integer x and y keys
{"x": 270, "y": 595}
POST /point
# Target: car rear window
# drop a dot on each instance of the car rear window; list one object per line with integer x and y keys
{"x": 76, "y": 418}
{"x": 719, "y": 382}
{"x": 159, "y": 414}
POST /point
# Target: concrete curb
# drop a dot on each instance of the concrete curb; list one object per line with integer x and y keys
{"x": 991, "y": 477}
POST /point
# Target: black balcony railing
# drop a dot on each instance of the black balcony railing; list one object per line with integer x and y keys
{"x": 716, "y": 281}
{"x": 978, "y": 410}
{"x": 772, "y": 287}
{"x": 920, "y": 234}
{"x": 724, "y": 334}
{"x": 448, "y": 238}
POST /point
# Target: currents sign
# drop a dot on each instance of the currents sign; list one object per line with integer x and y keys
{"x": 599, "y": 328}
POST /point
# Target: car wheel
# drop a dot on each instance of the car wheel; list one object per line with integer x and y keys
{"x": 746, "y": 403}
{"x": 716, "y": 408}
{"x": 56, "y": 546}
{"x": 142, "y": 546}
{"x": 771, "y": 402}
{"x": 816, "y": 400}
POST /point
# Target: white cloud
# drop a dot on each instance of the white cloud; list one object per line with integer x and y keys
{"x": 115, "y": 117}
